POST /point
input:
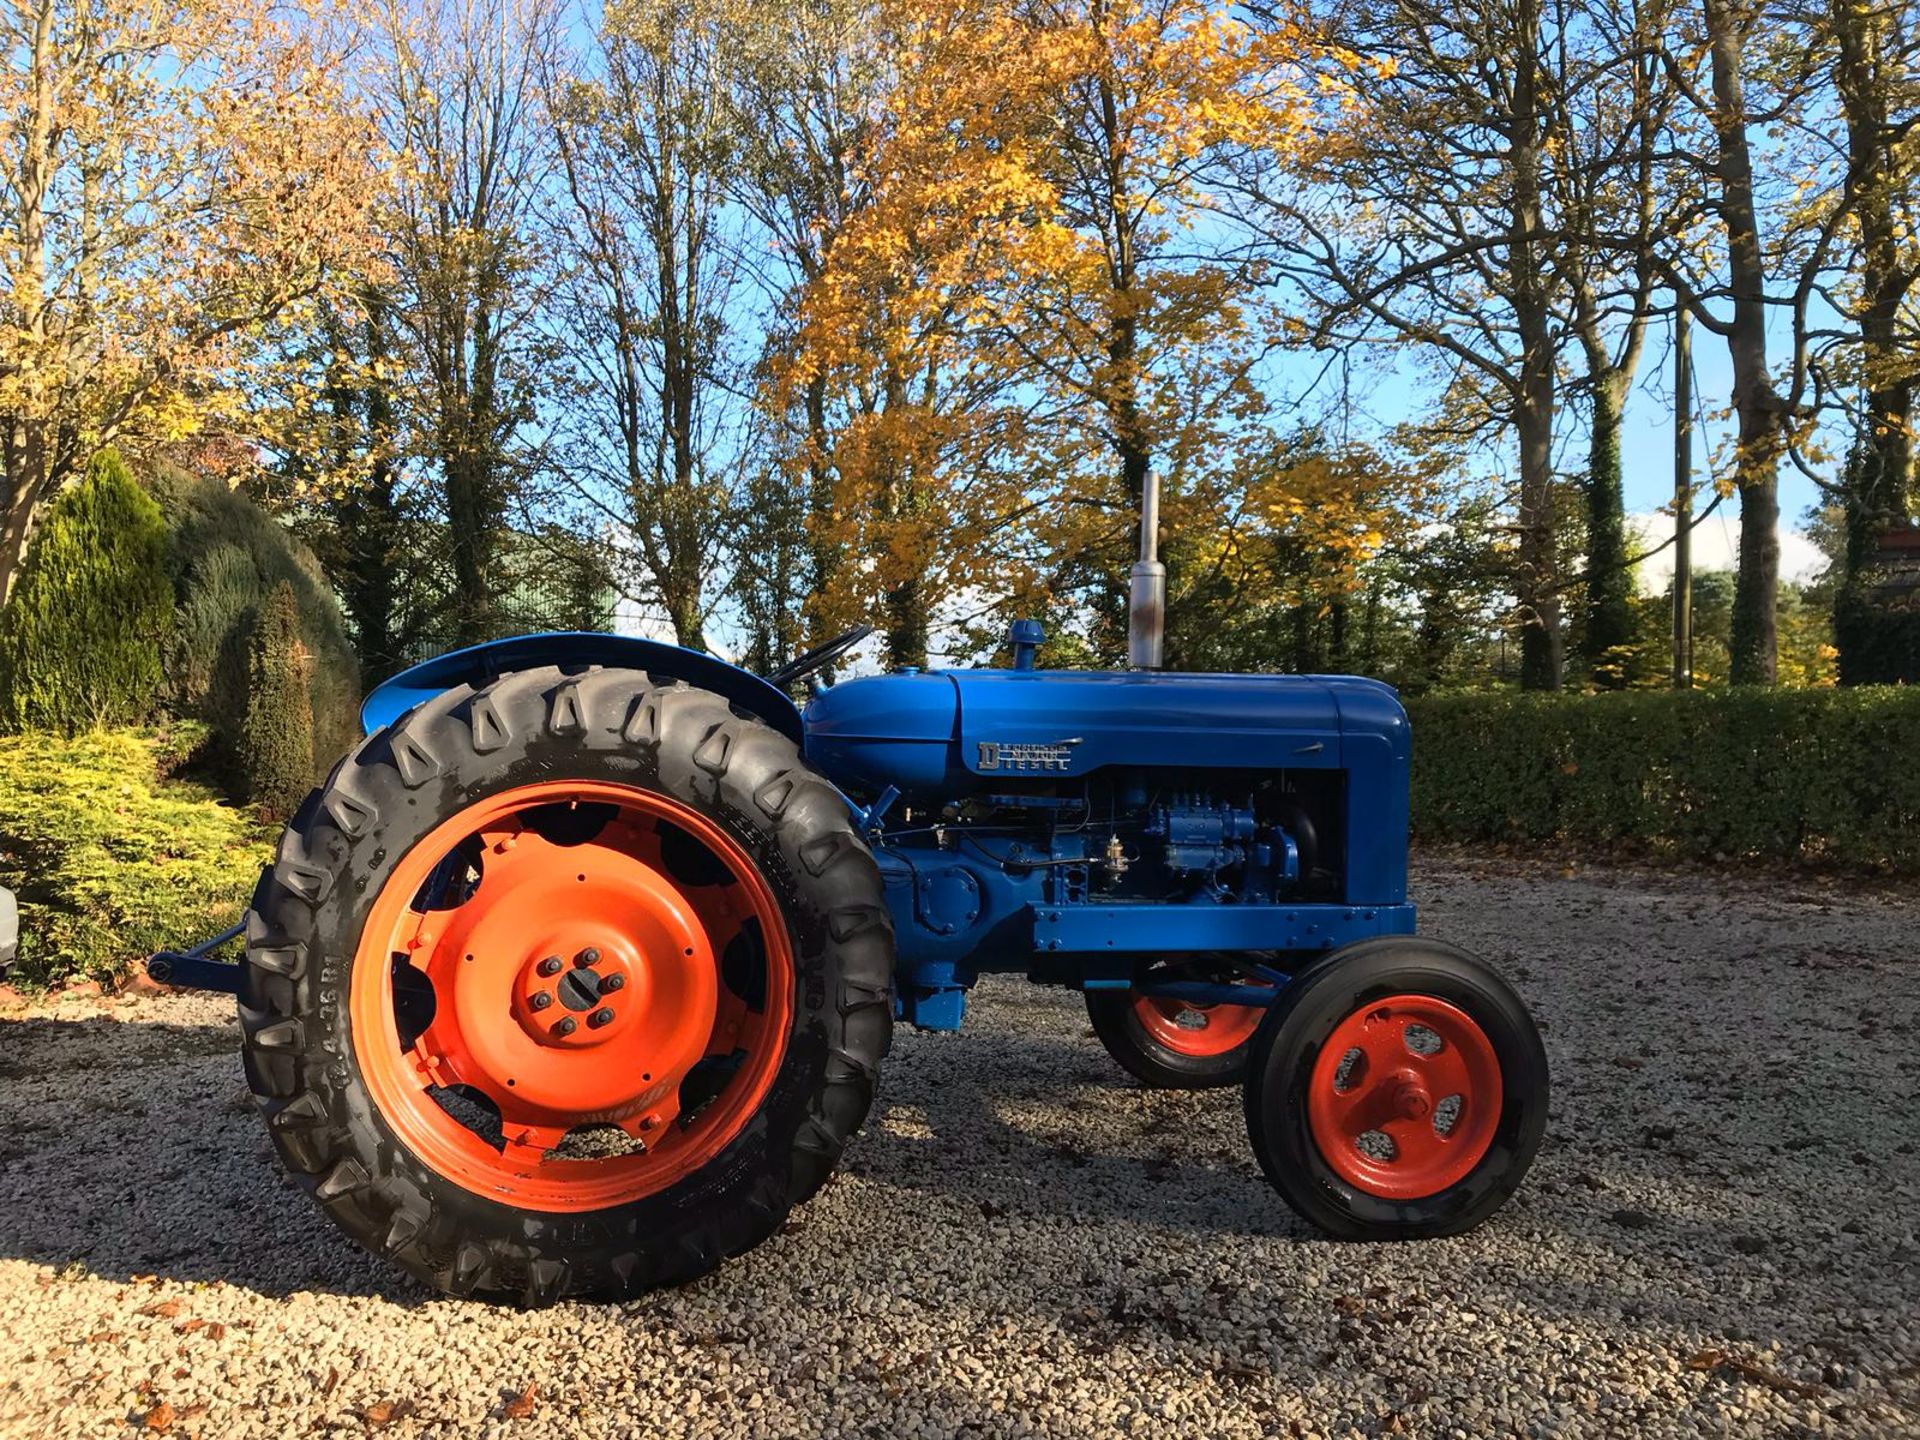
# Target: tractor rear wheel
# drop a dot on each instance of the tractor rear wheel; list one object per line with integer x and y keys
{"x": 1175, "y": 1044}
{"x": 567, "y": 985}
{"x": 1398, "y": 1089}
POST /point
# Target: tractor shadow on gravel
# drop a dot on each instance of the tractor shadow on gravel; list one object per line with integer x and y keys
{"x": 129, "y": 1148}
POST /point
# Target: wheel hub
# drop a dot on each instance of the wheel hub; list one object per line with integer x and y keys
{"x": 580, "y": 1000}
{"x": 1375, "y": 1098}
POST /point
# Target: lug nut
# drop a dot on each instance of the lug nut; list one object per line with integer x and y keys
{"x": 602, "y": 1016}
{"x": 550, "y": 965}
{"x": 542, "y": 1000}
{"x": 586, "y": 957}
{"x": 566, "y": 1027}
{"x": 613, "y": 983}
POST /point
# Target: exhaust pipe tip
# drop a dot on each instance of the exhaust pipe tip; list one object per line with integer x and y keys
{"x": 1147, "y": 588}
{"x": 1147, "y": 616}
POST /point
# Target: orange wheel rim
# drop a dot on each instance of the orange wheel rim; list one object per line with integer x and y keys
{"x": 571, "y": 995}
{"x": 1405, "y": 1097}
{"x": 1202, "y": 1031}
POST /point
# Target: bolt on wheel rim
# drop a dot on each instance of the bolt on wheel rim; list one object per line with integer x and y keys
{"x": 1405, "y": 1097}
{"x": 571, "y": 995}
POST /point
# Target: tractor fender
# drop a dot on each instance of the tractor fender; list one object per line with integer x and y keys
{"x": 575, "y": 651}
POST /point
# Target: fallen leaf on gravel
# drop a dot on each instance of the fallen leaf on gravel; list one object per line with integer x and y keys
{"x": 383, "y": 1413}
{"x": 333, "y": 1379}
{"x": 521, "y": 1406}
{"x": 163, "y": 1309}
{"x": 103, "y": 1337}
{"x": 187, "y": 1327}
{"x": 216, "y": 1331}
{"x": 159, "y": 1419}
{"x": 1753, "y": 1370}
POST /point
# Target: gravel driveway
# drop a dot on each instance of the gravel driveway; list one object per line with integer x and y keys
{"x": 1718, "y": 1238}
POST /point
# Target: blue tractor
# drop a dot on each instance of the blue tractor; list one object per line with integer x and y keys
{"x": 577, "y": 974}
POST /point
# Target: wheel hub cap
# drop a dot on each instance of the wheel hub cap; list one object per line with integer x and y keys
{"x": 1405, "y": 1097}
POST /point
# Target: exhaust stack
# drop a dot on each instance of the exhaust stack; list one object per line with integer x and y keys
{"x": 1147, "y": 598}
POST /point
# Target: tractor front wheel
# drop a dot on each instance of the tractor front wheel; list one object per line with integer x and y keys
{"x": 1398, "y": 1089}
{"x": 567, "y": 985}
{"x": 1169, "y": 1044}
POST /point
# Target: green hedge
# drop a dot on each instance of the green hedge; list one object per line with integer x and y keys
{"x": 110, "y": 859}
{"x": 1825, "y": 776}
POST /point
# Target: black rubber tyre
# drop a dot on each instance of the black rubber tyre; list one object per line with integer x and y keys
{"x": 462, "y": 747}
{"x": 1289, "y": 1043}
{"x": 1157, "y": 1066}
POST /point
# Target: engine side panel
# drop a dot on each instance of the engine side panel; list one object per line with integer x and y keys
{"x": 1074, "y": 825}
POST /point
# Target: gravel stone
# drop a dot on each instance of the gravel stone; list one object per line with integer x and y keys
{"x": 1025, "y": 1243}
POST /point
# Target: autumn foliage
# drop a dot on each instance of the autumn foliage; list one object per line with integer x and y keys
{"x": 179, "y": 174}
{"x": 1043, "y": 300}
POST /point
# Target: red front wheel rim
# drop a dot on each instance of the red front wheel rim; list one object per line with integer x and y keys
{"x": 601, "y": 967}
{"x": 1202, "y": 1031}
{"x": 1405, "y": 1097}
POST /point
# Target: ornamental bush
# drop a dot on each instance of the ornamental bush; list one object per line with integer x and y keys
{"x": 82, "y": 636}
{"x": 276, "y": 734}
{"x": 111, "y": 860}
{"x": 1821, "y": 776}
{"x": 226, "y": 556}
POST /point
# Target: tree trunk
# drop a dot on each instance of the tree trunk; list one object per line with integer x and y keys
{"x": 30, "y": 472}
{"x": 1881, "y": 488}
{"x": 1542, "y": 643}
{"x": 906, "y": 608}
{"x": 1609, "y": 617}
{"x": 472, "y": 525}
{"x": 823, "y": 550}
{"x": 1757, "y": 405}
{"x": 1542, "y": 640}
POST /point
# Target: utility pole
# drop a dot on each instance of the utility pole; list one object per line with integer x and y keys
{"x": 1682, "y": 499}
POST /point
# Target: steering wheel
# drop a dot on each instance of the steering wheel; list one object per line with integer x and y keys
{"x": 818, "y": 658}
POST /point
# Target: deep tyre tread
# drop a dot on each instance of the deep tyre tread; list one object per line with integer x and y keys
{"x": 1118, "y": 1027}
{"x": 462, "y": 746}
{"x": 1289, "y": 1042}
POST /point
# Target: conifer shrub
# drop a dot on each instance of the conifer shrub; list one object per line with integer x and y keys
{"x": 226, "y": 556}
{"x": 82, "y": 637}
{"x": 276, "y": 733}
{"x": 110, "y": 859}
